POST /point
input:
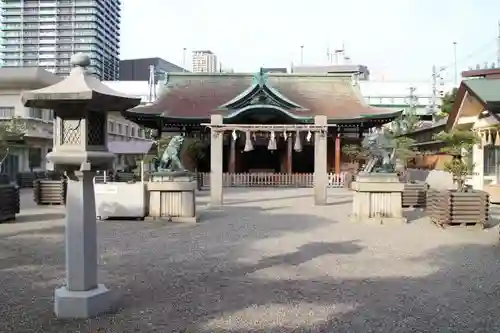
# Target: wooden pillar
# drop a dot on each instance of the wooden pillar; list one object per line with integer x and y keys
{"x": 289, "y": 152}
{"x": 231, "y": 168}
{"x": 337, "y": 153}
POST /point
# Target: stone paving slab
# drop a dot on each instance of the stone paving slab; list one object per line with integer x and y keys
{"x": 269, "y": 262}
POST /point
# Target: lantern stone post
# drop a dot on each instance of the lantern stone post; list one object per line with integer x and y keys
{"x": 80, "y": 103}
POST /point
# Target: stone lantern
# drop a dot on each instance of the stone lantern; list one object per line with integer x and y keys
{"x": 80, "y": 103}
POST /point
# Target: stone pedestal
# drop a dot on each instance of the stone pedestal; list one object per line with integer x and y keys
{"x": 377, "y": 199}
{"x": 81, "y": 297}
{"x": 171, "y": 197}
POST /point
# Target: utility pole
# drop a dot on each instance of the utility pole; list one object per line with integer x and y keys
{"x": 152, "y": 84}
{"x": 455, "y": 62}
{"x": 412, "y": 98}
{"x": 433, "y": 108}
{"x": 301, "y": 55}
{"x": 184, "y": 59}
{"x": 498, "y": 46}
{"x": 411, "y": 119}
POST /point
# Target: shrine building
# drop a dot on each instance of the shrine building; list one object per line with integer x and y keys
{"x": 188, "y": 100}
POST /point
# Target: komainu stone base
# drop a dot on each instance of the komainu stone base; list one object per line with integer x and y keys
{"x": 171, "y": 197}
{"x": 377, "y": 199}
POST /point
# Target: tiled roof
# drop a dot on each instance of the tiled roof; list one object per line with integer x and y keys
{"x": 196, "y": 95}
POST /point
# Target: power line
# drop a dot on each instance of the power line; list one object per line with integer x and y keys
{"x": 470, "y": 55}
{"x": 480, "y": 50}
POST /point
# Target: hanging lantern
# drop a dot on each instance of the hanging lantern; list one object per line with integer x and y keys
{"x": 490, "y": 140}
{"x": 497, "y": 139}
{"x": 309, "y": 136}
{"x": 234, "y": 135}
{"x": 298, "y": 145}
{"x": 285, "y": 135}
{"x": 272, "y": 142}
{"x": 248, "y": 142}
{"x": 482, "y": 135}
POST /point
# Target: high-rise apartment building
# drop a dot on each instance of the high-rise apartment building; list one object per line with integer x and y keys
{"x": 46, "y": 33}
{"x": 204, "y": 61}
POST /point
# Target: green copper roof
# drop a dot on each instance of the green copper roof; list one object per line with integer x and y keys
{"x": 488, "y": 90}
{"x": 260, "y": 85}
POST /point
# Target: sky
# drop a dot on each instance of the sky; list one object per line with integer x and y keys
{"x": 396, "y": 39}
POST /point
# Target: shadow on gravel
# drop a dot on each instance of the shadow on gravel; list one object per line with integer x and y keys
{"x": 39, "y": 217}
{"x": 413, "y": 214}
{"x": 173, "y": 279}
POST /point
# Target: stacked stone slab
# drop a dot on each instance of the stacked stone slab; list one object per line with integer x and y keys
{"x": 458, "y": 208}
{"x": 9, "y": 199}
{"x": 414, "y": 194}
{"x": 49, "y": 192}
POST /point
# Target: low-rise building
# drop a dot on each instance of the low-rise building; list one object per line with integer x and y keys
{"x": 399, "y": 95}
{"x": 30, "y": 153}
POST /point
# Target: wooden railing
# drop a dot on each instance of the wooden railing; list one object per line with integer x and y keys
{"x": 267, "y": 179}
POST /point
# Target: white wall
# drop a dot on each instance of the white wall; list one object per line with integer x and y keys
{"x": 40, "y": 131}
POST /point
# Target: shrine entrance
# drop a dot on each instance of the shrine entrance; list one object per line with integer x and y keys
{"x": 291, "y": 135}
{"x": 278, "y": 148}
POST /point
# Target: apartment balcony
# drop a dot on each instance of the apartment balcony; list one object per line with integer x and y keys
{"x": 5, "y": 27}
{"x": 7, "y": 13}
{"x": 10, "y": 5}
{"x": 11, "y": 56}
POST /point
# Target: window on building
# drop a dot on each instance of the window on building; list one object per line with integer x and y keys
{"x": 127, "y": 130}
{"x": 491, "y": 159}
{"x": 36, "y": 113}
{"x": 111, "y": 127}
{"x": 132, "y": 131}
{"x": 7, "y": 111}
{"x": 119, "y": 128}
{"x": 35, "y": 157}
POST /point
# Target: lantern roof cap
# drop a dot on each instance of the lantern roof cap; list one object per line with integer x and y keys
{"x": 79, "y": 88}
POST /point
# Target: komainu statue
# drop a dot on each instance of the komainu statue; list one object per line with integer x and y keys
{"x": 170, "y": 160}
{"x": 382, "y": 152}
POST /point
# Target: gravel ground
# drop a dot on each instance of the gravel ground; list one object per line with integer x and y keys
{"x": 270, "y": 262}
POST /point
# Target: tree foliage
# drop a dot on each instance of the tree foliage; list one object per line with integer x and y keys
{"x": 458, "y": 143}
{"x": 10, "y": 130}
{"x": 354, "y": 152}
{"x": 405, "y": 149}
{"x": 447, "y": 101}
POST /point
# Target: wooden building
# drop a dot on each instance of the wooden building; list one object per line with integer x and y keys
{"x": 189, "y": 99}
{"x": 477, "y": 108}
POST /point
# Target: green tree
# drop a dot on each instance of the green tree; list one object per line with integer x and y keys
{"x": 447, "y": 101}
{"x": 406, "y": 123}
{"x": 354, "y": 152}
{"x": 458, "y": 143}
{"x": 405, "y": 149}
{"x": 10, "y": 130}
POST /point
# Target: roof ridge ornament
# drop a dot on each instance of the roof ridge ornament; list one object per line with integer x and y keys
{"x": 260, "y": 78}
